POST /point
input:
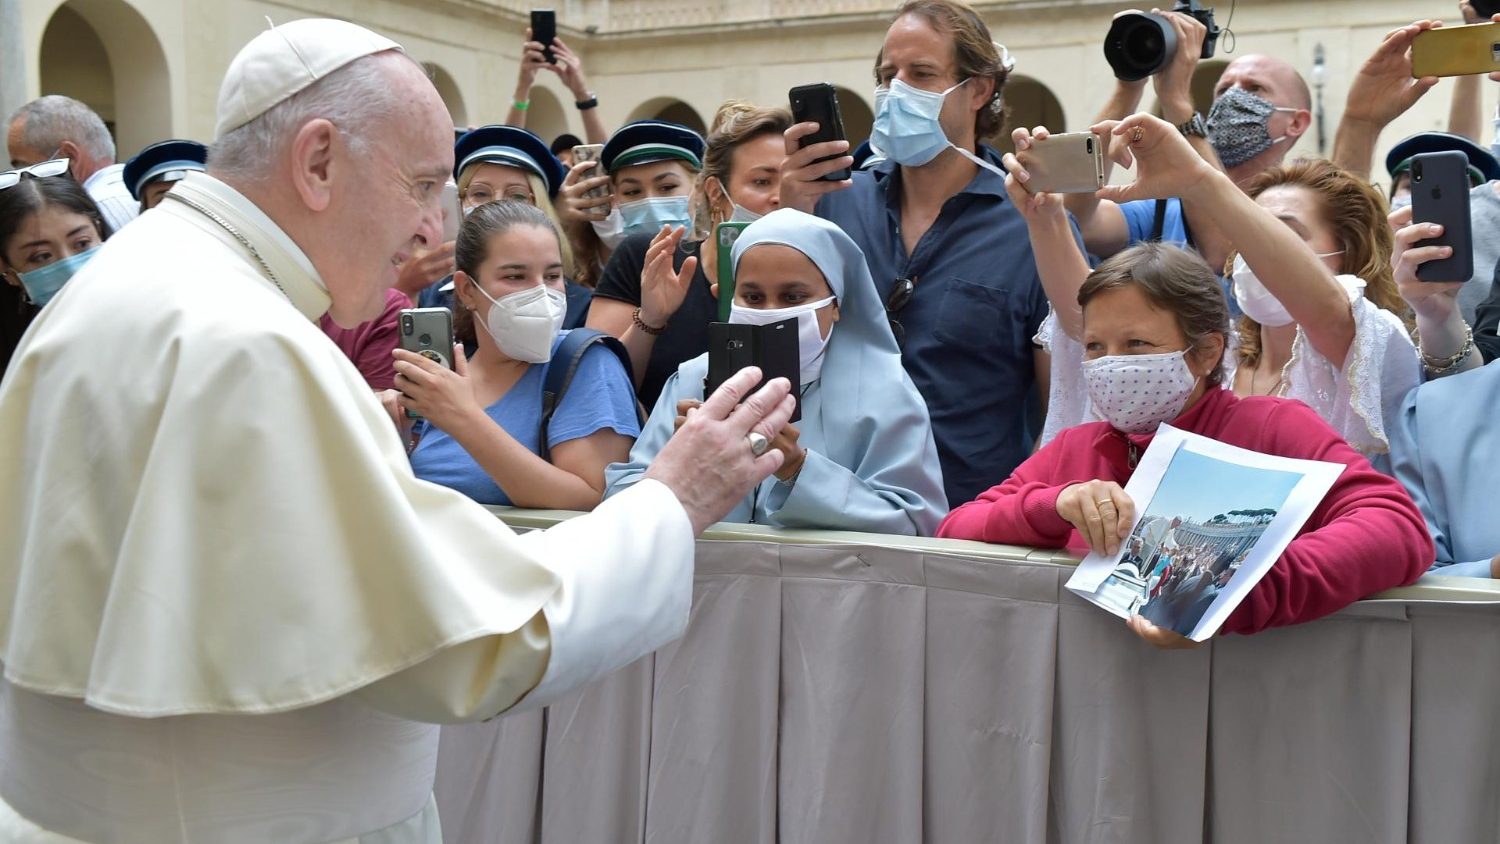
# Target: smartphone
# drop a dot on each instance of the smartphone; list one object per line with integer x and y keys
{"x": 725, "y": 234}
{"x": 593, "y": 152}
{"x": 1456, "y": 50}
{"x": 773, "y": 348}
{"x": 1440, "y": 194}
{"x": 544, "y": 30}
{"x": 453, "y": 212}
{"x": 820, "y": 104}
{"x": 1069, "y": 163}
{"x": 429, "y": 333}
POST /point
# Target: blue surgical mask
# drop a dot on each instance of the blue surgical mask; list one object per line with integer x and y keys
{"x": 43, "y": 283}
{"x": 907, "y": 129}
{"x": 647, "y": 216}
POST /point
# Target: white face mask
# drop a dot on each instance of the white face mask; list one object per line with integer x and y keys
{"x": 742, "y": 214}
{"x": 525, "y": 324}
{"x": 811, "y": 344}
{"x": 611, "y": 229}
{"x": 1136, "y": 393}
{"x": 1256, "y": 301}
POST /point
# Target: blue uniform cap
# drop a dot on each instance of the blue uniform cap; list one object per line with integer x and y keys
{"x": 163, "y": 161}
{"x": 512, "y": 147}
{"x": 1483, "y": 167}
{"x": 650, "y": 141}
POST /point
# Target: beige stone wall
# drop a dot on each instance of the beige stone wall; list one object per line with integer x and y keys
{"x": 162, "y": 60}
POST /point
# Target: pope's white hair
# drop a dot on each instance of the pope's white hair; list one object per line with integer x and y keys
{"x": 356, "y": 98}
{"x": 52, "y": 119}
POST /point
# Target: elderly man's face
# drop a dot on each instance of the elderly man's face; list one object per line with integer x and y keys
{"x": 392, "y": 204}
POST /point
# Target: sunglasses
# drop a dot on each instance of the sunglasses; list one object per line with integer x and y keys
{"x": 55, "y": 167}
{"x": 900, "y": 297}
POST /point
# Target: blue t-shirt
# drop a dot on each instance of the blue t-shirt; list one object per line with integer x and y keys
{"x": 1140, "y": 218}
{"x": 599, "y": 397}
{"x": 976, "y": 305}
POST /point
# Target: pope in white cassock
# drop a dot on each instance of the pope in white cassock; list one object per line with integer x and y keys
{"x": 228, "y": 612}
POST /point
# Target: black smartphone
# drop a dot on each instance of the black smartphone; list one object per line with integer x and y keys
{"x": 544, "y": 30}
{"x": 1440, "y": 194}
{"x": 773, "y": 348}
{"x": 429, "y": 333}
{"x": 820, "y": 104}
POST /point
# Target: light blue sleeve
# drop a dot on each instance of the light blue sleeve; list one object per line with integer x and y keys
{"x": 660, "y": 426}
{"x": 895, "y": 488}
{"x": 1139, "y": 215}
{"x": 1409, "y": 467}
{"x": 599, "y": 397}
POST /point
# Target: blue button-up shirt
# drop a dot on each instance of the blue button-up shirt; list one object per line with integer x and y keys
{"x": 969, "y": 326}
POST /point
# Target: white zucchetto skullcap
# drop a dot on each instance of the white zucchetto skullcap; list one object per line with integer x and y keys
{"x": 286, "y": 59}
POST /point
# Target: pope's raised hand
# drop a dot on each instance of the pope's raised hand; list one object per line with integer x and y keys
{"x": 709, "y": 463}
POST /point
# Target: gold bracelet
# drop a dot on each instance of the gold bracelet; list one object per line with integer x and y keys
{"x": 641, "y": 324}
{"x": 1447, "y": 366}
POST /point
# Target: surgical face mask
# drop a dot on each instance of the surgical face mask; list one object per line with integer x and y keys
{"x": 908, "y": 130}
{"x": 525, "y": 324}
{"x": 1237, "y": 126}
{"x": 1400, "y": 202}
{"x": 742, "y": 214}
{"x": 42, "y": 284}
{"x": 1137, "y": 393}
{"x": 611, "y": 229}
{"x": 647, "y": 216}
{"x": 811, "y": 344}
{"x": 1256, "y": 301}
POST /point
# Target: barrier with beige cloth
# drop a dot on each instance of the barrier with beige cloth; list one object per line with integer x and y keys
{"x": 837, "y": 687}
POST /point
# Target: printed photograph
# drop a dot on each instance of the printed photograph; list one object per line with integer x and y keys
{"x": 1198, "y": 529}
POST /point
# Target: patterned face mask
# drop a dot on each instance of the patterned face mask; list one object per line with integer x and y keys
{"x": 1136, "y": 393}
{"x": 1237, "y": 126}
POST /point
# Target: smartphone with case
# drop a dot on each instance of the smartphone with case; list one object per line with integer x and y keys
{"x": 544, "y": 30}
{"x": 1456, "y": 50}
{"x": 1440, "y": 194}
{"x": 453, "y": 211}
{"x": 773, "y": 348}
{"x": 725, "y": 234}
{"x": 819, "y": 104}
{"x": 1067, "y": 163}
{"x": 429, "y": 333}
{"x": 593, "y": 152}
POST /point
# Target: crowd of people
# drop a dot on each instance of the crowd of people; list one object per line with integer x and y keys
{"x": 978, "y": 360}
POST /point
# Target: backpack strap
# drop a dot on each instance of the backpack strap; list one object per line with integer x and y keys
{"x": 564, "y": 365}
{"x": 1159, "y": 220}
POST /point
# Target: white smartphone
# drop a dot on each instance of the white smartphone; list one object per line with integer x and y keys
{"x": 453, "y": 212}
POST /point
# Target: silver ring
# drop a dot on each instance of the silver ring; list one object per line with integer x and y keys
{"x": 758, "y": 443}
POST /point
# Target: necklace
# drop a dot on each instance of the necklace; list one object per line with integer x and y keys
{"x": 1276, "y": 387}
{"x": 235, "y": 233}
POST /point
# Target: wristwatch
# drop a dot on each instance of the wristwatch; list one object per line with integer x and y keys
{"x": 1195, "y": 127}
{"x": 591, "y": 102}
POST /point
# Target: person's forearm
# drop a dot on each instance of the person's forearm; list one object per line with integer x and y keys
{"x": 593, "y": 126}
{"x": 639, "y": 344}
{"x": 519, "y": 103}
{"x": 1466, "y": 110}
{"x": 1282, "y": 262}
{"x": 1210, "y": 241}
{"x": 528, "y": 480}
{"x": 1354, "y": 146}
{"x": 1061, "y": 268}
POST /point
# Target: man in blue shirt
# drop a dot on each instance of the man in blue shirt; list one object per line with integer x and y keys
{"x": 949, "y": 254}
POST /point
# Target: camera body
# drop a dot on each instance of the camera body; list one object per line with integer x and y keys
{"x": 1140, "y": 44}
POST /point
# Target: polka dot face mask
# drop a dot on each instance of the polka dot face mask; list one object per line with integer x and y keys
{"x": 1136, "y": 393}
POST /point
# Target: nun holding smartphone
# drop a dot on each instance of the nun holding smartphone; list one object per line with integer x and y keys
{"x": 862, "y": 458}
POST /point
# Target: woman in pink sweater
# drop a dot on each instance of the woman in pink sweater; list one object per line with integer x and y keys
{"x": 1155, "y": 326}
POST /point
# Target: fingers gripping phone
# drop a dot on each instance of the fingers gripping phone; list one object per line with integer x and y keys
{"x": 1456, "y": 50}
{"x": 1440, "y": 194}
{"x": 1069, "y": 163}
{"x": 544, "y": 31}
{"x": 429, "y": 333}
{"x": 820, "y": 104}
{"x": 593, "y": 152}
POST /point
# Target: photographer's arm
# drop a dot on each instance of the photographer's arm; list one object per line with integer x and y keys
{"x": 1101, "y": 222}
{"x": 1382, "y": 91}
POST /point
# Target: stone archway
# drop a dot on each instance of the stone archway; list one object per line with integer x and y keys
{"x": 672, "y": 110}
{"x": 546, "y": 116}
{"x": 124, "y": 77}
{"x": 859, "y": 118}
{"x": 447, "y": 88}
{"x": 1029, "y": 103}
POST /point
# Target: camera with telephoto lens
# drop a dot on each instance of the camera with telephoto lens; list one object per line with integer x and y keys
{"x": 1141, "y": 43}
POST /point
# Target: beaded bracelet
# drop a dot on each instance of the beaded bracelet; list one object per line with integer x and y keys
{"x": 641, "y": 324}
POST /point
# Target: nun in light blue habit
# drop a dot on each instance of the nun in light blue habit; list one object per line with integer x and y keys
{"x": 1443, "y": 445}
{"x": 871, "y": 464}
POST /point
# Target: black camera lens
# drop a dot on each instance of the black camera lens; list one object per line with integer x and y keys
{"x": 1139, "y": 45}
{"x": 406, "y": 325}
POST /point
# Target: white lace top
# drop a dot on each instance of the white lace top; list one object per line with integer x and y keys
{"x": 1354, "y": 399}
